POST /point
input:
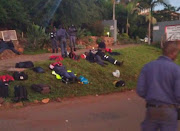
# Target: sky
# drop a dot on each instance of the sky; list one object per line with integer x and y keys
{"x": 175, "y": 3}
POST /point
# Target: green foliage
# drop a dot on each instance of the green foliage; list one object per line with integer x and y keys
{"x": 78, "y": 12}
{"x": 80, "y": 33}
{"x": 100, "y": 78}
{"x": 107, "y": 29}
{"x": 90, "y": 40}
{"x": 97, "y": 28}
{"x": 13, "y": 15}
{"x": 125, "y": 36}
{"x": 37, "y": 37}
{"x": 98, "y": 40}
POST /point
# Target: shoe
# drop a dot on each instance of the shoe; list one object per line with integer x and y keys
{"x": 120, "y": 63}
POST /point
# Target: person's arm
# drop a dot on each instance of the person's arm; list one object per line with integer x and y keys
{"x": 141, "y": 85}
{"x": 67, "y": 35}
{"x": 177, "y": 85}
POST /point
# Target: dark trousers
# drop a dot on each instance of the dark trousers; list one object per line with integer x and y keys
{"x": 160, "y": 119}
{"x": 72, "y": 42}
{"x": 54, "y": 45}
{"x": 63, "y": 47}
{"x": 9, "y": 48}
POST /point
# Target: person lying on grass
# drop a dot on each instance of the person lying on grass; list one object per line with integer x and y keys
{"x": 100, "y": 57}
{"x": 7, "y": 45}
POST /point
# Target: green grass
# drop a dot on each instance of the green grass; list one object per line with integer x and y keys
{"x": 101, "y": 79}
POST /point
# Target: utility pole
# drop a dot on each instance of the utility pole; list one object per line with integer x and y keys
{"x": 114, "y": 20}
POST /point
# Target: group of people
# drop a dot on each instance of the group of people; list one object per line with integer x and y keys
{"x": 100, "y": 57}
{"x": 60, "y": 36}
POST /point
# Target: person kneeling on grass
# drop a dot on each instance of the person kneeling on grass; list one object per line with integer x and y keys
{"x": 7, "y": 45}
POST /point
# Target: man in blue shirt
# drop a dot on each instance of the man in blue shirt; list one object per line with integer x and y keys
{"x": 72, "y": 34}
{"x": 159, "y": 85}
{"x": 62, "y": 36}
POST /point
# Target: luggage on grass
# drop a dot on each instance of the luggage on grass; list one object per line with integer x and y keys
{"x": 20, "y": 93}
{"x": 20, "y": 76}
{"x": 41, "y": 88}
{"x": 26, "y": 64}
{"x": 4, "y": 91}
{"x": 38, "y": 70}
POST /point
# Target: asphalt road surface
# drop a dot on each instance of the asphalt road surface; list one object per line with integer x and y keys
{"x": 114, "y": 112}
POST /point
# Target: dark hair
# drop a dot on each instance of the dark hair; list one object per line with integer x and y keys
{"x": 169, "y": 47}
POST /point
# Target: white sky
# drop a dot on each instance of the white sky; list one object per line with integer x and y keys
{"x": 175, "y": 3}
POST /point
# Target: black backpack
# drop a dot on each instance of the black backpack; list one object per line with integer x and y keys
{"x": 26, "y": 64}
{"x": 41, "y": 88}
{"x": 20, "y": 93}
{"x": 4, "y": 91}
{"x": 38, "y": 70}
{"x": 20, "y": 76}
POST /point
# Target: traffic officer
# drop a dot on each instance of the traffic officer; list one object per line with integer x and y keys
{"x": 159, "y": 85}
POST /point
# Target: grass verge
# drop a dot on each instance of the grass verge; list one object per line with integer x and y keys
{"x": 101, "y": 78}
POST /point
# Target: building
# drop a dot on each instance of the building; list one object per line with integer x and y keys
{"x": 159, "y": 30}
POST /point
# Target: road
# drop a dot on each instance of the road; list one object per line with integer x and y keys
{"x": 114, "y": 112}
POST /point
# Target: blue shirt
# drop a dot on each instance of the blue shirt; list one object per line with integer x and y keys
{"x": 159, "y": 82}
{"x": 62, "y": 33}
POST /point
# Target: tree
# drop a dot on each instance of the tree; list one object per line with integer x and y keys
{"x": 12, "y": 15}
{"x": 151, "y": 4}
{"x": 131, "y": 8}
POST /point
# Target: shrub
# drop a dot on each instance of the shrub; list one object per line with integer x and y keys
{"x": 98, "y": 40}
{"x": 90, "y": 40}
{"x": 80, "y": 33}
{"x": 36, "y": 37}
{"x": 97, "y": 29}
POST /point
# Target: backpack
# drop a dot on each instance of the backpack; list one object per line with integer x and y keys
{"x": 73, "y": 56}
{"x": 20, "y": 76}
{"x": 26, "y": 64}
{"x": 38, "y": 70}
{"x": 120, "y": 83}
{"x": 41, "y": 88}
{"x": 4, "y": 91}
{"x": 20, "y": 93}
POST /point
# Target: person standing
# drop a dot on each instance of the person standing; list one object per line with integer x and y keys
{"x": 72, "y": 34}
{"x": 53, "y": 40}
{"x": 62, "y": 36}
{"x": 159, "y": 85}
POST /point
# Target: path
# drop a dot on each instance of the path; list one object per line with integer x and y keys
{"x": 8, "y": 64}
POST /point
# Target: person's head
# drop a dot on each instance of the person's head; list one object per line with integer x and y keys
{"x": 171, "y": 49}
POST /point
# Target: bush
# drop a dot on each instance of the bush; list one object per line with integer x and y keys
{"x": 36, "y": 37}
{"x": 80, "y": 33}
{"x": 97, "y": 29}
{"x": 98, "y": 40}
{"x": 90, "y": 40}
